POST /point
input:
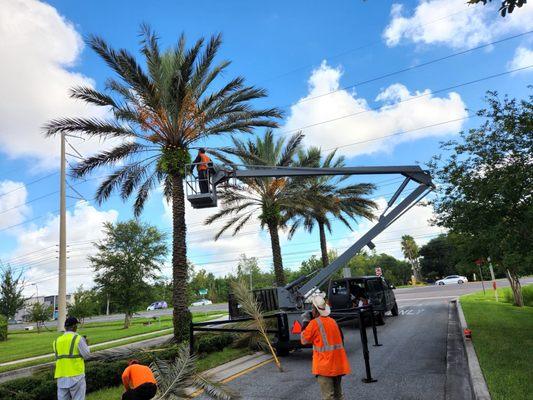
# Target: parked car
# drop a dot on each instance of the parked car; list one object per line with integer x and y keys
{"x": 452, "y": 279}
{"x": 376, "y": 289}
{"x": 201, "y": 302}
{"x": 158, "y": 305}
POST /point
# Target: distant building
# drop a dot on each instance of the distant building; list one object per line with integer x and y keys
{"x": 49, "y": 301}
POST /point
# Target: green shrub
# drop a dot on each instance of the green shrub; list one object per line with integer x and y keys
{"x": 213, "y": 343}
{"x": 527, "y": 294}
{"x": 100, "y": 374}
{"x": 3, "y": 328}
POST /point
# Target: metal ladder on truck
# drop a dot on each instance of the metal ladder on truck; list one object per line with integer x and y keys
{"x": 288, "y": 302}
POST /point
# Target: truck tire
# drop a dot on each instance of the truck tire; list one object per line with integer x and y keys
{"x": 282, "y": 349}
{"x": 394, "y": 310}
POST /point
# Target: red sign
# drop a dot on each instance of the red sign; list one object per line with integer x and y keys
{"x": 378, "y": 271}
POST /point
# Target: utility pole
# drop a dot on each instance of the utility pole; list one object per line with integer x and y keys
{"x": 62, "y": 283}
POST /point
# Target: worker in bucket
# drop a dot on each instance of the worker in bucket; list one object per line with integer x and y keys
{"x": 203, "y": 165}
{"x": 139, "y": 382}
{"x": 70, "y": 350}
{"x": 330, "y": 362}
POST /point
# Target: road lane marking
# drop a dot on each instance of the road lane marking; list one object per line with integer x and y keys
{"x": 428, "y": 298}
{"x": 410, "y": 311}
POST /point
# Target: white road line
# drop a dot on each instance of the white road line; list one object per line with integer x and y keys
{"x": 428, "y": 298}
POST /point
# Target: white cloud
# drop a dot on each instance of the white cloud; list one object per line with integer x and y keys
{"x": 398, "y": 114}
{"x": 416, "y": 222}
{"x": 38, "y": 49}
{"x": 454, "y": 23}
{"x": 523, "y": 57}
{"x": 84, "y": 225}
{"x": 12, "y": 197}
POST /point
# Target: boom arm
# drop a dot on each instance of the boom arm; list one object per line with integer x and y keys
{"x": 292, "y": 296}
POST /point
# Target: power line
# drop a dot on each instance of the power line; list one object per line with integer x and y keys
{"x": 429, "y": 93}
{"x": 410, "y": 68}
{"x": 28, "y": 184}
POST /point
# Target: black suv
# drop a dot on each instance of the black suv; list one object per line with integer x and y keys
{"x": 342, "y": 292}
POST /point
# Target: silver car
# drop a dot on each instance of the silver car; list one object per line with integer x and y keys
{"x": 452, "y": 279}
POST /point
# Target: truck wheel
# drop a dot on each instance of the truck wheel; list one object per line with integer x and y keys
{"x": 379, "y": 319}
{"x": 394, "y": 310}
{"x": 282, "y": 349}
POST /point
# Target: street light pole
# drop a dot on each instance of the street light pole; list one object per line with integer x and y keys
{"x": 62, "y": 283}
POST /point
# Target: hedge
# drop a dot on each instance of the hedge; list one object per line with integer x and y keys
{"x": 3, "y": 328}
{"x": 99, "y": 374}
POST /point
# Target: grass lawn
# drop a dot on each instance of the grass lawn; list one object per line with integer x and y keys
{"x": 503, "y": 338}
{"x": 210, "y": 361}
{"x": 24, "y": 344}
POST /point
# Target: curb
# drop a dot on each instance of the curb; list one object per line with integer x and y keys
{"x": 458, "y": 384}
{"x": 233, "y": 369}
{"x": 479, "y": 385}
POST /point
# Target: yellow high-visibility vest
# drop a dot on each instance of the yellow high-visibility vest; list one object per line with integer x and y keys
{"x": 69, "y": 362}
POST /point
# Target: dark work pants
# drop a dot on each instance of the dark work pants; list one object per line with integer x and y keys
{"x": 146, "y": 391}
{"x": 203, "y": 180}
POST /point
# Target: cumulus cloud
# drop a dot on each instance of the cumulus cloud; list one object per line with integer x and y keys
{"x": 354, "y": 120}
{"x": 453, "y": 23}
{"x": 523, "y": 57}
{"x": 36, "y": 249}
{"x": 38, "y": 49}
{"x": 12, "y": 197}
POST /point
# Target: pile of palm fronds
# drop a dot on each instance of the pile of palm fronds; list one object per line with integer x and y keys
{"x": 251, "y": 307}
{"x": 179, "y": 379}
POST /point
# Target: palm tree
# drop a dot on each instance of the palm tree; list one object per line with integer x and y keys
{"x": 345, "y": 203}
{"x": 159, "y": 112}
{"x": 411, "y": 253}
{"x": 270, "y": 197}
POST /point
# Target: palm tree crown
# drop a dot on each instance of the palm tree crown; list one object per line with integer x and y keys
{"x": 269, "y": 199}
{"x": 159, "y": 112}
{"x": 347, "y": 203}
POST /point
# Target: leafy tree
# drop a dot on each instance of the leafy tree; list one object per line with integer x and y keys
{"x": 40, "y": 313}
{"x": 159, "y": 112}
{"x": 485, "y": 187}
{"x": 128, "y": 259}
{"x": 411, "y": 253}
{"x": 267, "y": 198}
{"x": 85, "y": 304}
{"x": 327, "y": 198}
{"x": 395, "y": 271}
{"x": 248, "y": 267}
{"x": 507, "y": 6}
{"x": 439, "y": 257}
{"x": 11, "y": 287}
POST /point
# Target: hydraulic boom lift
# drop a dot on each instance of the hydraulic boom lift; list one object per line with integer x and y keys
{"x": 288, "y": 302}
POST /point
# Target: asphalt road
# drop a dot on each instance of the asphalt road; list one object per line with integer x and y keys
{"x": 411, "y": 364}
{"x": 142, "y": 314}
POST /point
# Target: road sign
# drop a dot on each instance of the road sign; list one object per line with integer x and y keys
{"x": 202, "y": 292}
{"x": 378, "y": 271}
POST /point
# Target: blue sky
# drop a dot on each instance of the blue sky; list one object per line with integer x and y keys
{"x": 300, "y": 51}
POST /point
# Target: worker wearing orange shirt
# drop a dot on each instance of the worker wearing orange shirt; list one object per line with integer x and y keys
{"x": 330, "y": 362}
{"x": 139, "y": 382}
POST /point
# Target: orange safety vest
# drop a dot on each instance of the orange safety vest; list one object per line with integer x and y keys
{"x": 204, "y": 162}
{"x": 329, "y": 356}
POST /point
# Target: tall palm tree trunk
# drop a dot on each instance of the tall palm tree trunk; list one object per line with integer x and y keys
{"x": 276, "y": 253}
{"x": 323, "y": 244}
{"x": 181, "y": 314}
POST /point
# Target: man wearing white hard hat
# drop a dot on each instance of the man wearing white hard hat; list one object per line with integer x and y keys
{"x": 330, "y": 362}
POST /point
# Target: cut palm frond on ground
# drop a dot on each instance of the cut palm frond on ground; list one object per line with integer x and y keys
{"x": 251, "y": 307}
{"x": 175, "y": 379}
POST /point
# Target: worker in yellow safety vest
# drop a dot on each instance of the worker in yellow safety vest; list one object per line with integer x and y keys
{"x": 70, "y": 350}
